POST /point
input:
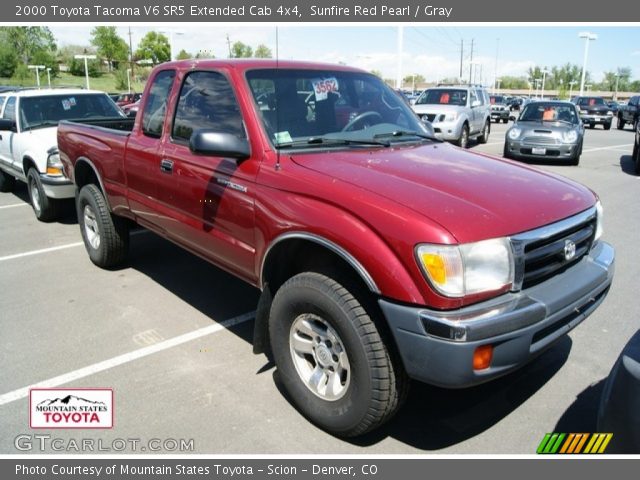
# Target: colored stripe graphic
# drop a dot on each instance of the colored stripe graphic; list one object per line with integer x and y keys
{"x": 574, "y": 443}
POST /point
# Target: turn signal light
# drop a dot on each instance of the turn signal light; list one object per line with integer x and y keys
{"x": 482, "y": 357}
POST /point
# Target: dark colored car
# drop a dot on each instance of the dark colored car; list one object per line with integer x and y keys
{"x": 636, "y": 150}
{"x": 549, "y": 130}
{"x": 629, "y": 113}
{"x": 619, "y": 411}
{"x": 594, "y": 111}
{"x": 499, "y": 108}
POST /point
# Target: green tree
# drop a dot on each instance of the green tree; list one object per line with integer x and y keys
{"x": 513, "y": 83}
{"x": 262, "y": 51}
{"x": 48, "y": 59}
{"x": 240, "y": 50}
{"x": 26, "y": 41}
{"x": 8, "y": 60}
{"x": 21, "y": 74}
{"x": 183, "y": 55}
{"x": 110, "y": 45}
{"x": 413, "y": 79}
{"x": 205, "y": 53}
{"x": 154, "y": 46}
{"x": 76, "y": 68}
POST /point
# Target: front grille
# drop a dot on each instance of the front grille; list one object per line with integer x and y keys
{"x": 546, "y": 258}
{"x": 540, "y": 140}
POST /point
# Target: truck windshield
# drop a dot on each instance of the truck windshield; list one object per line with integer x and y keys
{"x": 46, "y": 111}
{"x": 443, "y": 96}
{"x": 311, "y": 108}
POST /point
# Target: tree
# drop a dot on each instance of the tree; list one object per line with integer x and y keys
{"x": 48, "y": 59}
{"x": 262, "y": 51}
{"x": 240, "y": 50}
{"x": 205, "y": 53}
{"x": 26, "y": 41}
{"x": 377, "y": 73}
{"x": 183, "y": 55}
{"x": 413, "y": 79}
{"x": 76, "y": 68}
{"x": 513, "y": 83}
{"x": 110, "y": 45}
{"x": 8, "y": 60}
{"x": 154, "y": 46}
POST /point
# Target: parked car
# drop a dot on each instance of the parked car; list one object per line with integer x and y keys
{"x": 594, "y": 111}
{"x": 499, "y": 108}
{"x": 636, "y": 150}
{"x": 629, "y": 113}
{"x": 28, "y": 148}
{"x": 613, "y": 106}
{"x": 131, "y": 110}
{"x": 127, "y": 99}
{"x": 549, "y": 129}
{"x": 457, "y": 113}
{"x": 619, "y": 411}
{"x": 516, "y": 104}
{"x": 381, "y": 252}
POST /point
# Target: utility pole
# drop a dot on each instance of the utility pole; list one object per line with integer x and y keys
{"x": 471, "y": 60}
{"x": 461, "y": 56}
{"x": 229, "y": 45}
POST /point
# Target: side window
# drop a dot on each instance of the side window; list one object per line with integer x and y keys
{"x": 634, "y": 101}
{"x": 474, "y": 96}
{"x": 156, "y": 105}
{"x": 2, "y": 100}
{"x": 207, "y": 102}
{"x": 10, "y": 109}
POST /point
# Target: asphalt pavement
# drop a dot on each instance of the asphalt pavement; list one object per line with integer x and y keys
{"x": 171, "y": 335}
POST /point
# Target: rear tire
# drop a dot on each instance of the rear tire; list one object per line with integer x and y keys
{"x": 106, "y": 236}
{"x": 45, "y": 208}
{"x": 7, "y": 182}
{"x": 331, "y": 357}
{"x": 620, "y": 123}
{"x": 484, "y": 136}
{"x": 607, "y": 126}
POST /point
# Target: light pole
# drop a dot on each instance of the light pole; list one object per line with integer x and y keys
{"x": 129, "y": 79}
{"x": 530, "y": 82}
{"x": 571, "y": 84}
{"x": 544, "y": 76}
{"x": 37, "y": 68}
{"x": 537, "y": 83}
{"x": 615, "y": 95}
{"x": 588, "y": 36}
{"x": 49, "y": 76}
{"x": 86, "y": 65}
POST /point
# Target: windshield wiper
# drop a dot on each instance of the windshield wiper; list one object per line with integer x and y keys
{"x": 45, "y": 123}
{"x": 408, "y": 133}
{"x": 313, "y": 141}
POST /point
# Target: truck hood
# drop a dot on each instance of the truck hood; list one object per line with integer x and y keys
{"x": 474, "y": 197}
{"x": 44, "y": 138}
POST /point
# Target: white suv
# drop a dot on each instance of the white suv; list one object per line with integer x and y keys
{"x": 28, "y": 145}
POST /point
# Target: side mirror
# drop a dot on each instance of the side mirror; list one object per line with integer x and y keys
{"x": 217, "y": 144}
{"x": 8, "y": 125}
{"x": 476, "y": 103}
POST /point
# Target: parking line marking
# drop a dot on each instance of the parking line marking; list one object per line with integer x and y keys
{"x": 38, "y": 252}
{"x": 610, "y": 147}
{"x": 13, "y": 205}
{"x": 126, "y": 358}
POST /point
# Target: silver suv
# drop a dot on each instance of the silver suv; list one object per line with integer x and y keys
{"x": 457, "y": 112}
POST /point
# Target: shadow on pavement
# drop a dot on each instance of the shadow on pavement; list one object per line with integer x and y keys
{"x": 582, "y": 414}
{"x": 67, "y": 207}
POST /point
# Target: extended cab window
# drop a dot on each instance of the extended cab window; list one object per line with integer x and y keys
{"x": 10, "y": 109}
{"x": 207, "y": 102}
{"x": 156, "y": 106}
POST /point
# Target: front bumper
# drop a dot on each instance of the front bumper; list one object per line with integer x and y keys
{"x": 596, "y": 119}
{"x": 520, "y": 149}
{"x": 57, "y": 187}
{"x": 437, "y": 347}
{"x": 500, "y": 115}
{"x": 449, "y": 131}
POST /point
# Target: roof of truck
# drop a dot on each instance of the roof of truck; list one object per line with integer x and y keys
{"x": 253, "y": 63}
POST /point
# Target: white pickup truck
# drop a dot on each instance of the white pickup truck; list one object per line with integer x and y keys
{"x": 28, "y": 146}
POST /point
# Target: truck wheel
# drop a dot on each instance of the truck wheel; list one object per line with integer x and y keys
{"x": 7, "y": 182}
{"x": 463, "y": 141}
{"x": 106, "y": 237}
{"x": 607, "y": 126}
{"x": 486, "y": 130}
{"x": 620, "y": 123}
{"x": 505, "y": 120}
{"x": 45, "y": 208}
{"x": 331, "y": 358}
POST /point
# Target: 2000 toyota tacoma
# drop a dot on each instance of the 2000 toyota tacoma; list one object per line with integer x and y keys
{"x": 382, "y": 253}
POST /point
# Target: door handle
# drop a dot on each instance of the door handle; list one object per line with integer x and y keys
{"x": 166, "y": 166}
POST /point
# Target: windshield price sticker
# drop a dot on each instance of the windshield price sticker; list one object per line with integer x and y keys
{"x": 66, "y": 104}
{"x": 322, "y": 87}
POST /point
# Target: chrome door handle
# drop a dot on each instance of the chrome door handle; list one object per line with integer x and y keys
{"x": 166, "y": 166}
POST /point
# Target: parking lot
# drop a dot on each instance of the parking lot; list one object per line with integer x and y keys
{"x": 172, "y": 336}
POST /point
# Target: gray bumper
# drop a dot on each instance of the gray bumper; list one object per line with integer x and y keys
{"x": 596, "y": 119}
{"x": 565, "y": 151}
{"x": 57, "y": 187}
{"x": 437, "y": 347}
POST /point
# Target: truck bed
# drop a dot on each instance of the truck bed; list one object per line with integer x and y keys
{"x": 116, "y": 125}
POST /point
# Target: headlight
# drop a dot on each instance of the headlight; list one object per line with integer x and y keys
{"x": 450, "y": 117}
{"x": 599, "y": 229}
{"x": 570, "y": 137}
{"x": 514, "y": 133}
{"x": 609, "y": 112}
{"x": 459, "y": 270}
{"x": 54, "y": 165}
{"x": 583, "y": 112}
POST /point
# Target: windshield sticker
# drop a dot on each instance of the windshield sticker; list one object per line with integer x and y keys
{"x": 283, "y": 137}
{"x": 66, "y": 104}
{"x": 72, "y": 101}
{"x": 444, "y": 98}
{"x": 322, "y": 87}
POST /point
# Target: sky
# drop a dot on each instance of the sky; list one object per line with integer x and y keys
{"x": 431, "y": 51}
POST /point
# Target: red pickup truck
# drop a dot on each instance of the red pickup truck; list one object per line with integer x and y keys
{"x": 382, "y": 253}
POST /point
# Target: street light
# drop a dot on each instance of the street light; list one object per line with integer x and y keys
{"x": 536, "y": 81}
{"x": 86, "y": 66}
{"x": 129, "y": 79}
{"x": 49, "y": 76}
{"x": 588, "y": 36}
{"x": 544, "y": 76}
{"x": 37, "y": 68}
{"x": 571, "y": 84}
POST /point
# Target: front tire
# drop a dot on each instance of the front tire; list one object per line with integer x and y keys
{"x": 486, "y": 130}
{"x": 607, "y": 126}
{"x": 45, "y": 208}
{"x": 106, "y": 237}
{"x": 620, "y": 123}
{"x": 7, "y": 182}
{"x": 331, "y": 357}
{"x": 463, "y": 141}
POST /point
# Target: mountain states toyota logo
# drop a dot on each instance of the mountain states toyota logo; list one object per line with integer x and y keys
{"x": 71, "y": 408}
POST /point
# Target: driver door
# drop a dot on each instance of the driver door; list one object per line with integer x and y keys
{"x": 7, "y": 136}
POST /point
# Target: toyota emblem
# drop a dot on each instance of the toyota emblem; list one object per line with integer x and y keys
{"x": 569, "y": 250}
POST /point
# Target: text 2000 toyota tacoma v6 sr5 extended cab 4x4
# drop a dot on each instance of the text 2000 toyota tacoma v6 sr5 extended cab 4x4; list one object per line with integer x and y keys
{"x": 381, "y": 253}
